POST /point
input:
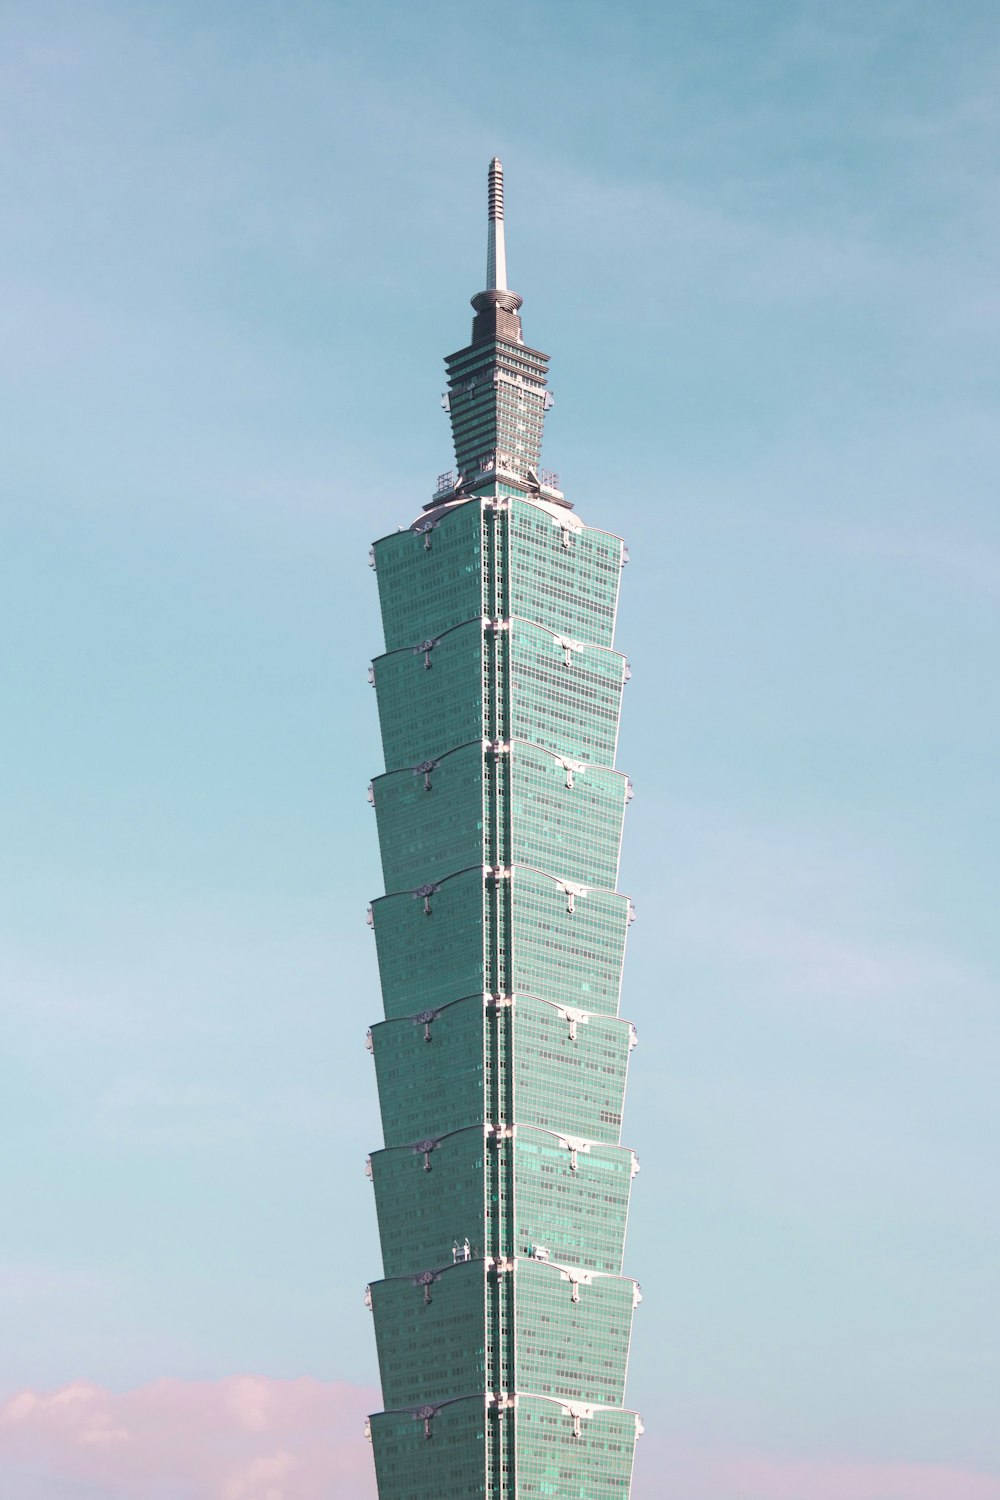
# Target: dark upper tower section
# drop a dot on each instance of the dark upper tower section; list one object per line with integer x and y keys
{"x": 496, "y": 386}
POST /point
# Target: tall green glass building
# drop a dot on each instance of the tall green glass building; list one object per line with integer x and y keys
{"x": 503, "y": 1320}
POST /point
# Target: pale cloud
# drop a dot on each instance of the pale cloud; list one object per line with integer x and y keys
{"x": 788, "y": 908}
{"x": 971, "y": 562}
{"x": 244, "y": 1438}
{"x": 159, "y": 1114}
{"x": 251, "y": 1438}
{"x": 702, "y": 1474}
{"x": 826, "y": 965}
{"x": 762, "y": 260}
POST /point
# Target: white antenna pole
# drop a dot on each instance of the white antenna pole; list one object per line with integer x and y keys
{"x": 496, "y": 250}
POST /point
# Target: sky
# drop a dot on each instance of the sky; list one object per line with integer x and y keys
{"x": 759, "y": 242}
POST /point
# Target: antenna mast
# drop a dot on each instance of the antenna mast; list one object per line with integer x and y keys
{"x": 496, "y": 250}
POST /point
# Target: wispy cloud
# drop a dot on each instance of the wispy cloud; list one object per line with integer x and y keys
{"x": 255, "y": 1439}
{"x": 702, "y": 1474}
{"x": 245, "y": 1438}
{"x": 796, "y": 911}
{"x": 142, "y": 1110}
{"x": 251, "y": 1438}
{"x": 971, "y": 563}
{"x": 823, "y": 964}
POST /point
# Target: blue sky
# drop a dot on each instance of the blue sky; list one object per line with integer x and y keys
{"x": 759, "y": 241}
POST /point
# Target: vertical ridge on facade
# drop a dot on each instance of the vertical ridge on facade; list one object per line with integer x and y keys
{"x": 503, "y": 1321}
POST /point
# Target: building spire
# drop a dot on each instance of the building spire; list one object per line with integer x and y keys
{"x": 496, "y": 250}
{"x": 496, "y": 306}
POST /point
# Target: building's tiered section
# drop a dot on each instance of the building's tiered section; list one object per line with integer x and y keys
{"x": 503, "y": 1320}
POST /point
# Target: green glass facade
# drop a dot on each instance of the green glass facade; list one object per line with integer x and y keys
{"x": 502, "y": 1320}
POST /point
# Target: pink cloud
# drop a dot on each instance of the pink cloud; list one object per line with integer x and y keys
{"x": 673, "y": 1468}
{"x": 245, "y": 1438}
{"x": 249, "y": 1438}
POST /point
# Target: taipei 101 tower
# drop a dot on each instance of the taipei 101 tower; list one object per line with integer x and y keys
{"x": 503, "y": 1320}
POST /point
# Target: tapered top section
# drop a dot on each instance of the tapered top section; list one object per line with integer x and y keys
{"x": 496, "y": 386}
{"x": 496, "y": 250}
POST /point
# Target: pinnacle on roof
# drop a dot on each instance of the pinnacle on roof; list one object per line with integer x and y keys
{"x": 496, "y": 250}
{"x": 497, "y": 298}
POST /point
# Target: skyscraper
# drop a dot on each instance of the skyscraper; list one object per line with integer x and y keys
{"x": 503, "y": 1320}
